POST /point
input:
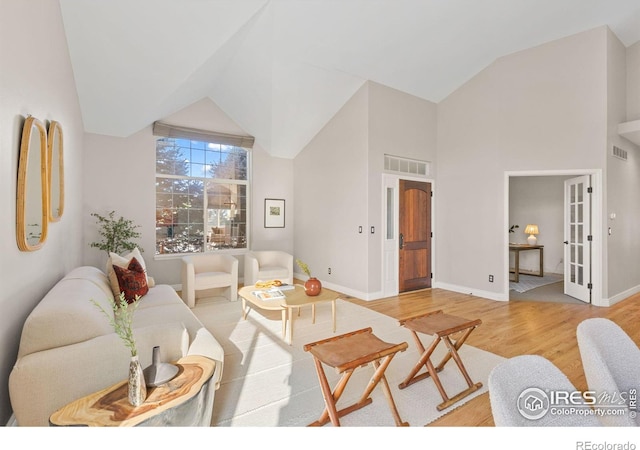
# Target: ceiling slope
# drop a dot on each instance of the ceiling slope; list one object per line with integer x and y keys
{"x": 282, "y": 68}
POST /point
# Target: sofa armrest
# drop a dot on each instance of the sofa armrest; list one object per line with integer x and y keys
{"x": 42, "y": 382}
{"x": 204, "y": 344}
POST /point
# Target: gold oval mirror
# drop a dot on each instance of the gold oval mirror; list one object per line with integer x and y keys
{"x": 55, "y": 169}
{"x": 32, "y": 198}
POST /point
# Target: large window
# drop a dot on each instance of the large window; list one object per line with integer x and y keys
{"x": 201, "y": 195}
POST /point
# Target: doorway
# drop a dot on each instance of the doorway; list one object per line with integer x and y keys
{"x": 407, "y": 248}
{"x": 566, "y": 208}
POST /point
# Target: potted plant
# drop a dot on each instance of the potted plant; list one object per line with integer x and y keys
{"x": 117, "y": 234}
{"x": 121, "y": 321}
{"x": 312, "y": 286}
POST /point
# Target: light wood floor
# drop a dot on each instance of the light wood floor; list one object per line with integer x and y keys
{"x": 512, "y": 328}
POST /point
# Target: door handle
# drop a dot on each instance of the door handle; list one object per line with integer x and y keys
{"x": 401, "y": 241}
{"x": 566, "y": 242}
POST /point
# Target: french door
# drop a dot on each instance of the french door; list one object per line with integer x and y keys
{"x": 578, "y": 238}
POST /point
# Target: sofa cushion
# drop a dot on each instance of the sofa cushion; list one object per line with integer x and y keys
{"x": 132, "y": 280}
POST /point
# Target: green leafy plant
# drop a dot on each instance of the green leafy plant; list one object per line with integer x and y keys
{"x": 303, "y": 267}
{"x": 513, "y": 228}
{"x": 117, "y": 234}
{"x": 122, "y": 319}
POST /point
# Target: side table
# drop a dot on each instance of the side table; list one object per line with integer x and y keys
{"x": 186, "y": 400}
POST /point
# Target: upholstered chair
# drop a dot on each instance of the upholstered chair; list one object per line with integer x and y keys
{"x": 268, "y": 265}
{"x": 611, "y": 363}
{"x": 208, "y": 271}
{"x": 520, "y": 384}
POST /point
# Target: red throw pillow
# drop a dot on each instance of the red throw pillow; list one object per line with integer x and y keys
{"x": 132, "y": 280}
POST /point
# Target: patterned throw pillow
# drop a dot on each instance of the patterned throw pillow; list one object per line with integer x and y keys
{"x": 122, "y": 261}
{"x": 132, "y": 280}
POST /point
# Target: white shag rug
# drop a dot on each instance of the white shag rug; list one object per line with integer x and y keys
{"x": 528, "y": 282}
{"x": 268, "y": 383}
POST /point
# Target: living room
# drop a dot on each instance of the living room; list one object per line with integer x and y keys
{"x": 552, "y": 107}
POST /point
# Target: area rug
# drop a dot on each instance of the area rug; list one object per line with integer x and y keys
{"x": 268, "y": 383}
{"x": 528, "y": 282}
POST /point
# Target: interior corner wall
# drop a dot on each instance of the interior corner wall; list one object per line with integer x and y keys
{"x": 35, "y": 79}
{"x": 120, "y": 176}
{"x": 540, "y": 109}
{"x": 330, "y": 194}
{"x": 623, "y": 177}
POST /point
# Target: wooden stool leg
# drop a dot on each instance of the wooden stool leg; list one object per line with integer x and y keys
{"x": 330, "y": 398}
{"x": 390, "y": 401}
{"x": 458, "y": 360}
{"x": 457, "y": 346}
{"x": 423, "y": 361}
{"x": 327, "y": 395}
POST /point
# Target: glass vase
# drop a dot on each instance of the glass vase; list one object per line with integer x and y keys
{"x": 137, "y": 388}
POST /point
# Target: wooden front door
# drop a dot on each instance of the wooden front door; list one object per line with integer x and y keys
{"x": 415, "y": 235}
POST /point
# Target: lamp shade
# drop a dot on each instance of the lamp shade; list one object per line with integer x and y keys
{"x": 531, "y": 229}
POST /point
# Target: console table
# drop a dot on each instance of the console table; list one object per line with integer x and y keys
{"x": 183, "y": 401}
{"x": 516, "y": 249}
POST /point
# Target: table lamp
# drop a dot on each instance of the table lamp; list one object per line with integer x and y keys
{"x": 532, "y": 230}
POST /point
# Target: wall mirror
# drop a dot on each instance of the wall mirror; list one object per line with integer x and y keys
{"x": 32, "y": 192}
{"x": 55, "y": 171}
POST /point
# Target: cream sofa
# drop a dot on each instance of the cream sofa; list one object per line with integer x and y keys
{"x": 68, "y": 349}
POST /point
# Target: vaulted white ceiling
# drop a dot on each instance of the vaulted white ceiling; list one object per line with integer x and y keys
{"x": 282, "y": 68}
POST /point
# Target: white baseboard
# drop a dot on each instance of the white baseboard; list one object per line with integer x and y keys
{"x": 622, "y": 295}
{"x": 471, "y": 291}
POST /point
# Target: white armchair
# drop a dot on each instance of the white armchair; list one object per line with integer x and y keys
{"x": 611, "y": 363}
{"x": 268, "y": 265}
{"x": 208, "y": 271}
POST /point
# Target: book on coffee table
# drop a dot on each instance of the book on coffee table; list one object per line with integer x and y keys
{"x": 286, "y": 287}
{"x": 271, "y": 294}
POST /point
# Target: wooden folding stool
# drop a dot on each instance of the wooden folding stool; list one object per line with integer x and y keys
{"x": 346, "y": 353}
{"x": 441, "y": 326}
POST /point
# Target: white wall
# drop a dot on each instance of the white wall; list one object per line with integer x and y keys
{"x": 538, "y": 200}
{"x": 120, "y": 176}
{"x": 623, "y": 177}
{"x": 633, "y": 82}
{"x": 330, "y": 192}
{"x": 36, "y": 79}
{"x": 540, "y": 109}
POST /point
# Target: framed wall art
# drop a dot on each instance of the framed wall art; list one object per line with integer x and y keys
{"x": 273, "y": 213}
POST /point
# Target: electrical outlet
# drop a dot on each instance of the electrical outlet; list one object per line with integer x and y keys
{"x": 490, "y": 278}
{"x": 329, "y": 271}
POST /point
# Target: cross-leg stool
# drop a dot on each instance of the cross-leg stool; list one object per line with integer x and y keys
{"x": 441, "y": 326}
{"x": 346, "y": 353}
